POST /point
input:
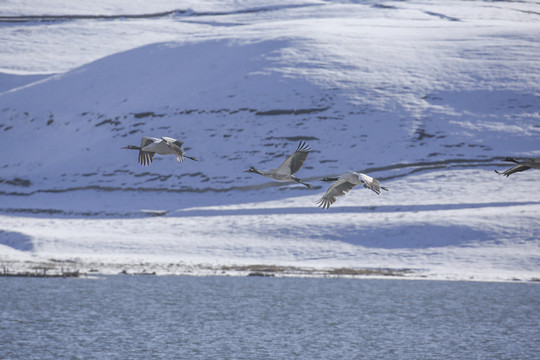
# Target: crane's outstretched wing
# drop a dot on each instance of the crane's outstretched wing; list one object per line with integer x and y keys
{"x": 171, "y": 141}
{"x": 339, "y": 188}
{"x": 294, "y": 162}
{"x": 175, "y": 146}
{"x": 146, "y": 157}
{"x": 372, "y": 184}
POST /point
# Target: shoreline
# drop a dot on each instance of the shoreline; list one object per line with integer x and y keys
{"x": 81, "y": 270}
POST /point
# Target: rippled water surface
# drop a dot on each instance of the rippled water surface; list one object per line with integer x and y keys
{"x": 148, "y": 317}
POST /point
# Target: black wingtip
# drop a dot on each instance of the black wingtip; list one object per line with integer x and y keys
{"x": 303, "y": 147}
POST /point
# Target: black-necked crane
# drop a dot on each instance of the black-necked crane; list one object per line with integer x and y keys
{"x": 532, "y": 163}
{"x": 164, "y": 146}
{"x": 286, "y": 171}
{"x": 344, "y": 183}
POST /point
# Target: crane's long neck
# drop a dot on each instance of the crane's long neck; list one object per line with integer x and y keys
{"x": 330, "y": 179}
{"x": 512, "y": 160}
{"x": 132, "y": 147}
{"x": 257, "y": 171}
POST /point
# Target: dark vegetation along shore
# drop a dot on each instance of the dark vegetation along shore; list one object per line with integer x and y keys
{"x": 51, "y": 271}
{"x": 42, "y": 273}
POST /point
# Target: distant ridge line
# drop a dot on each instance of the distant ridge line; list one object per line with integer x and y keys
{"x": 176, "y": 12}
{"x": 29, "y": 18}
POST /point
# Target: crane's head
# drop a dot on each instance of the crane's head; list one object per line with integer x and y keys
{"x": 253, "y": 170}
{"x": 131, "y": 147}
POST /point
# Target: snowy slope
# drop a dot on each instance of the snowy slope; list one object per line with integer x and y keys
{"x": 426, "y": 96}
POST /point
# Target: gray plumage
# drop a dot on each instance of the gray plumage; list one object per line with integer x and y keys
{"x": 532, "y": 163}
{"x": 164, "y": 146}
{"x": 289, "y": 167}
{"x": 344, "y": 183}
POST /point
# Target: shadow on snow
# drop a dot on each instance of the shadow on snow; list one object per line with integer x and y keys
{"x": 16, "y": 240}
{"x": 345, "y": 209}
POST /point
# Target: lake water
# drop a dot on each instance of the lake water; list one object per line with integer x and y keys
{"x": 149, "y": 317}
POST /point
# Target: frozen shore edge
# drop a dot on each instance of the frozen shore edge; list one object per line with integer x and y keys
{"x": 73, "y": 269}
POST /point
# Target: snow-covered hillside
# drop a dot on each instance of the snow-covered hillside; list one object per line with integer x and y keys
{"x": 426, "y": 96}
